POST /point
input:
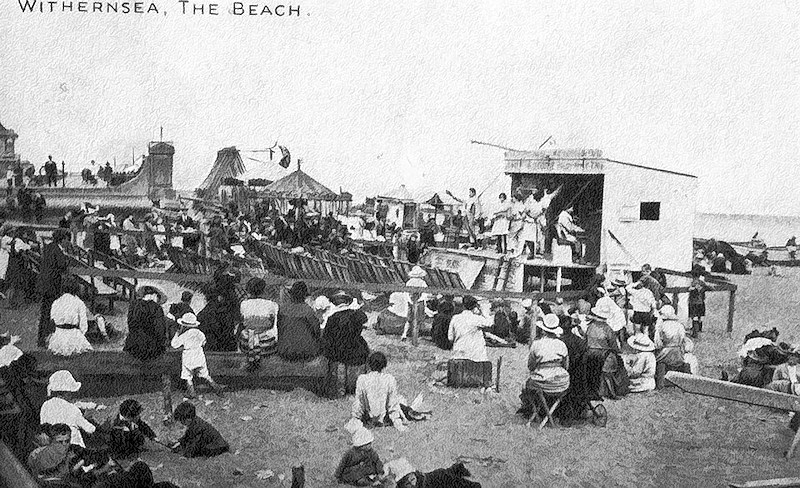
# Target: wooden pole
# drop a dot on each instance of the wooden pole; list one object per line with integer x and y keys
{"x": 497, "y": 377}
{"x": 731, "y": 309}
{"x": 166, "y": 392}
{"x": 415, "y": 319}
{"x": 63, "y": 175}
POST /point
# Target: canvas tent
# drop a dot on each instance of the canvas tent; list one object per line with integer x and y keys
{"x": 229, "y": 164}
{"x": 300, "y": 185}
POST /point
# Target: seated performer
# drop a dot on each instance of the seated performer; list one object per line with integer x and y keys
{"x": 568, "y": 230}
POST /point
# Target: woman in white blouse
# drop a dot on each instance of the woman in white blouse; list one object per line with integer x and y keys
{"x": 59, "y": 410}
{"x": 71, "y": 318}
{"x": 466, "y": 332}
{"x": 259, "y": 334}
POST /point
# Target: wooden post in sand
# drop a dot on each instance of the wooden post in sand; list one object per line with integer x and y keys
{"x": 414, "y": 319}
{"x": 166, "y": 392}
{"x": 497, "y": 380}
{"x": 731, "y": 309}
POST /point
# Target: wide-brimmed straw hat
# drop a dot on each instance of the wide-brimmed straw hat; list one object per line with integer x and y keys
{"x": 143, "y": 291}
{"x": 527, "y": 303}
{"x": 641, "y": 342}
{"x": 399, "y": 468}
{"x": 362, "y": 437}
{"x": 62, "y": 381}
{"x": 341, "y": 297}
{"x": 417, "y": 272}
{"x": 550, "y": 324}
{"x": 667, "y": 312}
{"x": 189, "y": 320}
{"x": 602, "y": 311}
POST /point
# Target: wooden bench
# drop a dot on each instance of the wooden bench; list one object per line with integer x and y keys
{"x": 104, "y": 365}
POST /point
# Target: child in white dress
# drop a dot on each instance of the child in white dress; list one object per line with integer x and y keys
{"x": 193, "y": 360}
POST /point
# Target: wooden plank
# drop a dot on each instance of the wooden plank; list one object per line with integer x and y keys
{"x": 222, "y": 364}
{"x": 735, "y": 392}
{"x": 12, "y": 473}
{"x": 771, "y": 483}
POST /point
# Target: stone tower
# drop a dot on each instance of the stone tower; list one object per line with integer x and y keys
{"x": 159, "y": 167}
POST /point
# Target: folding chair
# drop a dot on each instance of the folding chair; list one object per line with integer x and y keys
{"x": 549, "y": 409}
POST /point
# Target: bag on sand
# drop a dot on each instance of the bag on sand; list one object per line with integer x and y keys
{"x": 463, "y": 373}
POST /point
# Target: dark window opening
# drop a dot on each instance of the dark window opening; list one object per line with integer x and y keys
{"x": 650, "y": 211}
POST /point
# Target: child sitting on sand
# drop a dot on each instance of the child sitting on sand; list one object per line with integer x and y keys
{"x": 360, "y": 465}
{"x": 193, "y": 360}
{"x": 127, "y": 432}
{"x": 689, "y": 357}
{"x": 201, "y": 439}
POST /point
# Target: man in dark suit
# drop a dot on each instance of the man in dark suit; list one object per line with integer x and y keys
{"x": 51, "y": 272}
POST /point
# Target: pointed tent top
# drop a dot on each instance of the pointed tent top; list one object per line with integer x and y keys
{"x": 227, "y": 165}
{"x": 298, "y": 184}
{"x": 399, "y": 193}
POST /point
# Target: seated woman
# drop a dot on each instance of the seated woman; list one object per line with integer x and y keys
{"x": 641, "y": 367}
{"x": 259, "y": 334}
{"x": 298, "y": 327}
{"x": 71, "y": 318}
{"x": 466, "y": 332}
{"x": 604, "y": 367}
{"x": 548, "y": 363}
{"x": 505, "y": 320}
{"x": 58, "y": 409}
{"x": 377, "y": 401}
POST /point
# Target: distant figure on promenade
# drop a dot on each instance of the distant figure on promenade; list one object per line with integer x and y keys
{"x": 791, "y": 246}
{"x": 51, "y": 274}
{"x": 51, "y": 172}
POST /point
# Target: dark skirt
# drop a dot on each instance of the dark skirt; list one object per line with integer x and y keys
{"x": 697, "y": 310}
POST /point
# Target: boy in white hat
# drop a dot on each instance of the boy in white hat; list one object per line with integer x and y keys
{"x": 193, "y": 359}
{"x": 360, "y": 465}
{"x": 58, "y": 410}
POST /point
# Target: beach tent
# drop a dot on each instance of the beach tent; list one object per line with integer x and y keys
{"x": 228, "y": 164}
{"x": 300, "y": 185}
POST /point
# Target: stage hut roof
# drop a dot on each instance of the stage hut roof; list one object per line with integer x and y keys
{"x": 228, "y": 165}
{"x": 299, "y": 184}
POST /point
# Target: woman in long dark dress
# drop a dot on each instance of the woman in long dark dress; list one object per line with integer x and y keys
{"x": 221, "y": 316}
{"x": 147, "y": 337}
{"x": 572, "y": 403}
{"x": 343, "y": 345}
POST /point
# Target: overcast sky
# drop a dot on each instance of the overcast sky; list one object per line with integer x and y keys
{"x": 374, "y": 94}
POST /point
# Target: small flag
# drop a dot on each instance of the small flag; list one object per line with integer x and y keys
{"x": 286, "y": 158}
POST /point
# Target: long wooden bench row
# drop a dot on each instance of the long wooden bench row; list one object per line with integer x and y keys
{"x": 273, "y": 370}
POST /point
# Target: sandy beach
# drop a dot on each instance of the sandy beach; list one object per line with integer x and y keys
{"x": 665, "y": 438}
